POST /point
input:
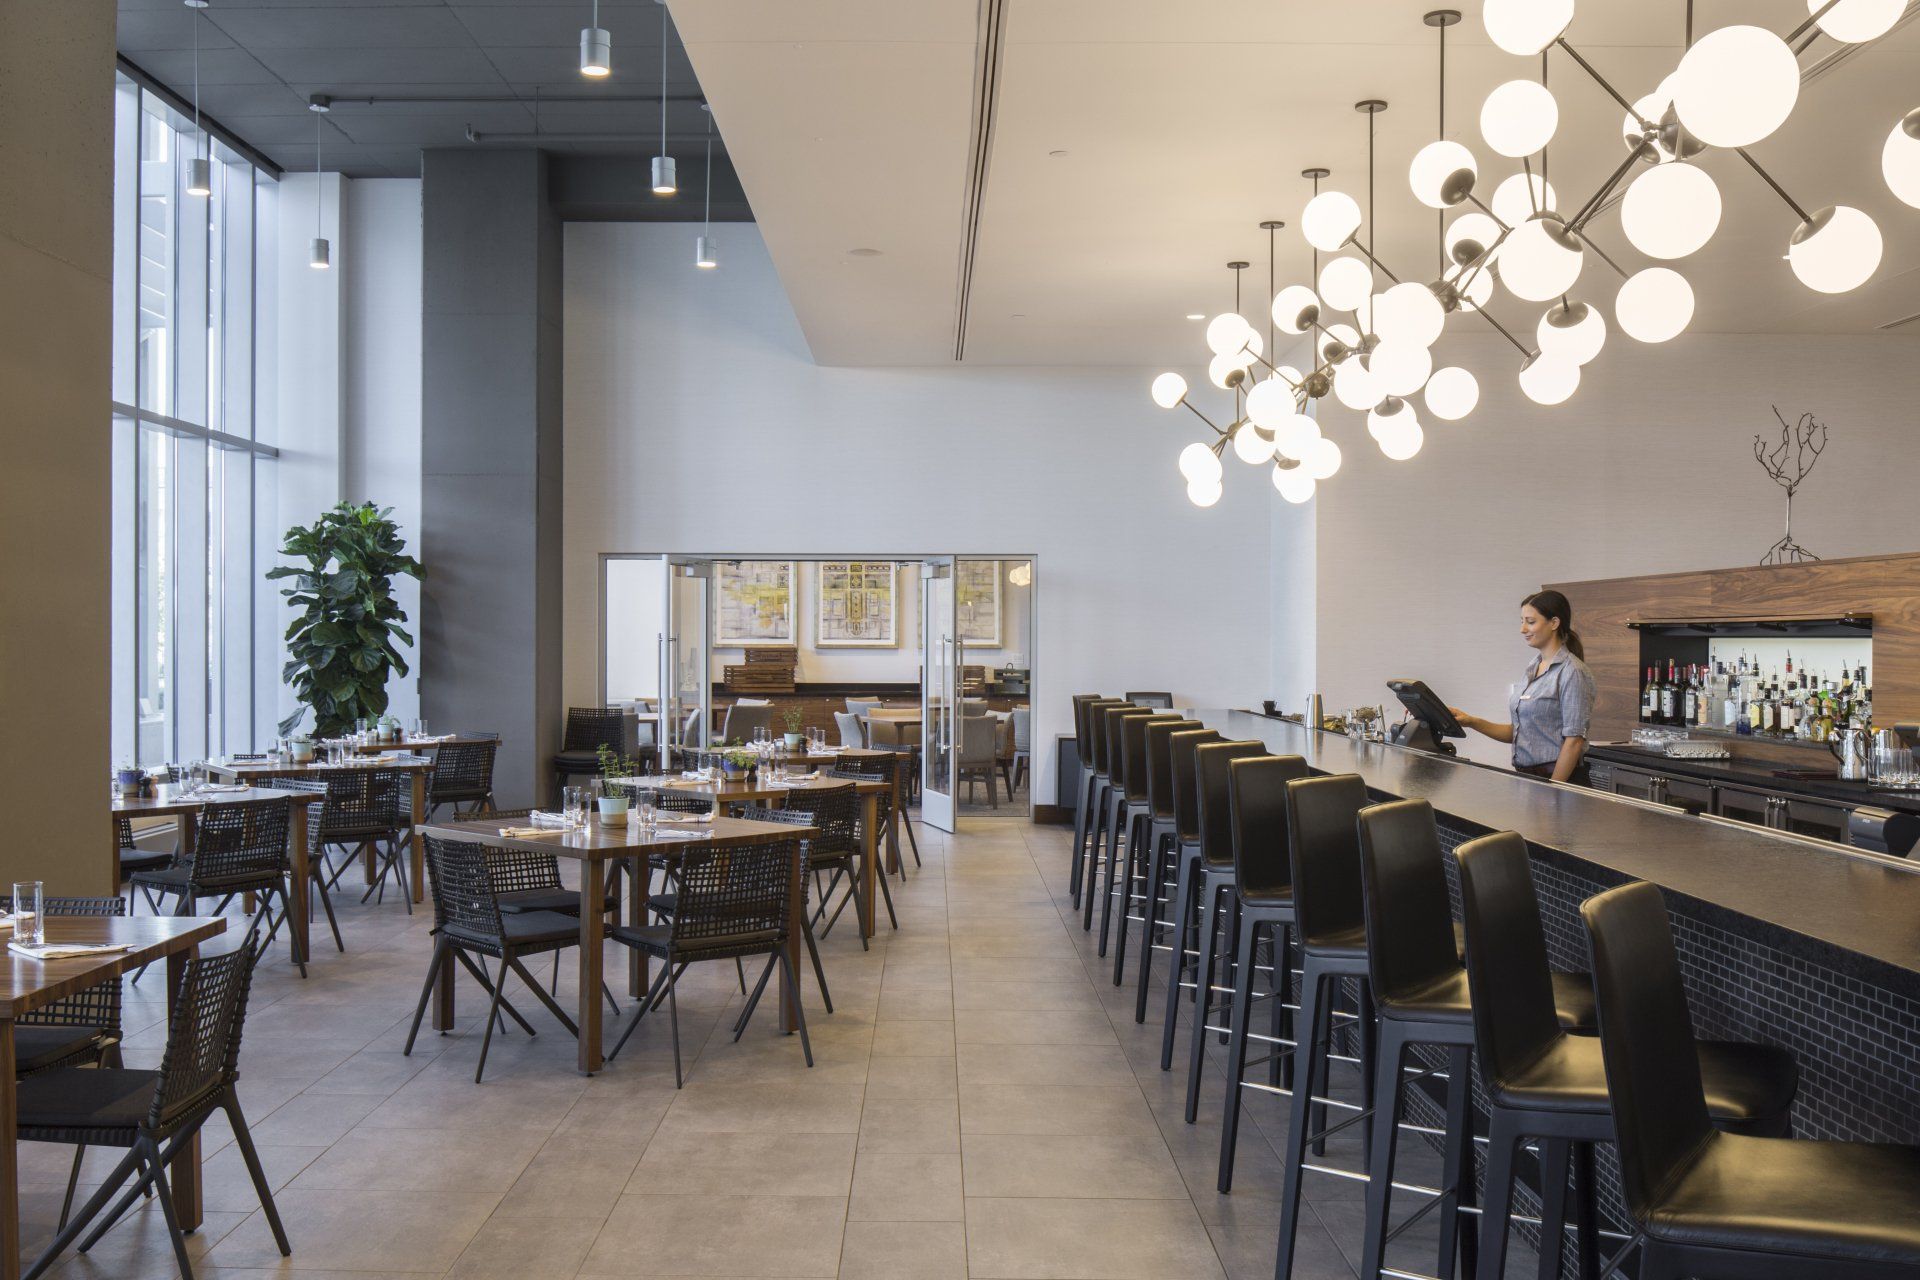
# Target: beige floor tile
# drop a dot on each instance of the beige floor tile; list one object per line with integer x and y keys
{"x": 548, "y": 1248}
{"x": 1055, "y": 1109}
{"x": 664, "y": 1235}
{"x": 913, "y": 1040}
{"x": 1015, "y": 995}
{"x": 910, "y": 1126}
{"x": 746, "y": 1164}
{"x": 1044, "y": 1064}
{"x": 904, "y": 1251}
{"x": 460, "y": 1160}
{"x": 906, "y": 1188}
{"x": 1085, "y": 1165}
{"x": 911, "y": 1078}
{"x": 1026, "y": 1026}
{"x": 1063, "y": 1239}
{"x": 572, "y": 1178}
{"x": 796, "y": 1106}
{"x": 361, "y": 1230}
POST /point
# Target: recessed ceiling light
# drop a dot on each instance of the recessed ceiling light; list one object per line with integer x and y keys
{"x": 863, "y": 253}
{"x": 1056, "y": 154}
{"x": 1019, "y": 315}
{"x": 1196, "y": 315}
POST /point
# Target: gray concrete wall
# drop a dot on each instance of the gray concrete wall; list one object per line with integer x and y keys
{"x": 56, "y": 274}
{"x": 491, "y": 458}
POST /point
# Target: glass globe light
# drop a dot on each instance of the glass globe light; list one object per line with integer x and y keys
{"x": 1344, "y": 334}
{"x": 1199, "y": 463}
{"x": 1478, "y": 291}
{"x": 1323, "y": 459}
{"x": 1169, "y": 389}
{"x": 1228, "y": 332}
{"x": 1442, "y": 174}
{"x": 1525, "y": 27}
{"x": 1549, "y": 380}
{"x": 1289, "y": 375}
{"x": 1295, "y": 308}
{"x": 1329, "y": 219}
{"x": 1575, "y": 332}
{"x": 1400, "y": 368}
{"x": 1392, "y": 414}
{"x": 1513, "y": 205}
{"x": 1835, "y": 250}
{"x": 1736, "y": 86}
{"x": 1345, "y": 283}
{"x": 1670, "y": 210}
{"x": 1251, "y": 446}
{"x": 1519, "y": 118}
{"x": 1270, "y": 403}
{"x": 1452, "y": 393}
{"x": 1470, "y": 235}
{"x": 1853, "y": 21}
{"x": 1226, "y": 371}
{"x": 1294, "y": 437}
{"x": 1204, "y": 493}
{"x": 1355, "y": 386}
{"x": 1294, "y": 484}
{"x": 1541, "y": 259}
{"x": 1409, "y": 312}
{"x": 1654, "y": 305}
{"x": 1900, "y": 159}
{"x": 1402, "y": 443}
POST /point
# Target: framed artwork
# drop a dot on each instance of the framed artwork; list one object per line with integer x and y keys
{"x": 855, "y": 604}
{"x": 976, "y": 589}
{"x": 752, "y": 603}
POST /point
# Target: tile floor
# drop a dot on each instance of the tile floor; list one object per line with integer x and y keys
{"x": 983, "y": 1104}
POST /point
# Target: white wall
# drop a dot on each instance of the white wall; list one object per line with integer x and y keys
{"x": 696, "y": 420}
{"x": 1647, "y": 469}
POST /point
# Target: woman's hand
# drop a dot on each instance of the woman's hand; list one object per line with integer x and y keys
{"x": 1466, "y": 721}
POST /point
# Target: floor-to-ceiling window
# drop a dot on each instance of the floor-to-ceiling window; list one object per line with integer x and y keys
{"x": 193, "y": 438}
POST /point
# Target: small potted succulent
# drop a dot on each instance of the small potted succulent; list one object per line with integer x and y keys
{"x": 613, "y": 804}
{"x": 736, "y": 763}
{"x": 302, "y": 748}
{"x": 795, "y": 720}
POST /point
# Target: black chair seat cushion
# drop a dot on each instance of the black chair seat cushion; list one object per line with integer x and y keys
{"x": 133, "y": 861}
{"x": 576, "y": 762}
{"x": 522, "y": 901}
{"x": 178, "y": 879}
{"x": 529, "y": 928}
{"x": 1447, "y": 1000}
{"x": 86, "y": 1098}
{"x": 1851, "y": 1201}
{"x": 657, "y": 938}
{"x": 1278, "y": 899}
{"x": 1748, "y": 1086}
{"x": 663, "y": 904}
{"x": 36, "y": 1047}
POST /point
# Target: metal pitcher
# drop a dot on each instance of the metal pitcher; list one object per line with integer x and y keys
{"x": 1849, "y": 747}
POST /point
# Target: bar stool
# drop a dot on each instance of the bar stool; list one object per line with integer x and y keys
{"x": 1163, "y": 840}
{"x": 1083, "y": 794}
{"x": 1126, "y": 879}
{"x": 1100, "y": 785}
{"x": 1714, "y": 1204}
{"x": 1544, "y": 1084}
{"x": 1212, "y": 897}
{"x": 1263, "y": 889}
{"x": 1186, "y": 821}
{"x": 1113, "y": 812}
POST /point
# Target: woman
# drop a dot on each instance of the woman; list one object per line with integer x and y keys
{"x": 1550, "y": 708}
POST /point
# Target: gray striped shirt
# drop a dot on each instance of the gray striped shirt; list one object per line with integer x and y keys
{"x": 1548, "y": 708}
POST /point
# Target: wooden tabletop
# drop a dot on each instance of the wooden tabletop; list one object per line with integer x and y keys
{"x": 26, "y": 984}
{"x": 173, "y": 798}
{"x": 414, "y": 744}
{"x": 741, "y": 791}
{"x": 597, "y": 843}
{"x": 286, "y": 769}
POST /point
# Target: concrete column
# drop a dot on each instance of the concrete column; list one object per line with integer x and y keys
{"x": 56, "y": 310}
{"x": 490, "y": 458}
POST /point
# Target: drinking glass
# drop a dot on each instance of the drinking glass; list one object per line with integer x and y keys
{"x": 29, "y": 914}
{"x": 419, "y": 727}
{"x": 644, "y": 815}
{"x": 576, "y": 802}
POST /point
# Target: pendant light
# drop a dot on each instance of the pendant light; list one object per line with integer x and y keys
{"x": 199, "y": 168}
{"x": 664, "y": 181}
{"x": 596, "y": 48}
{"x": 705, "y": 252}
{"x": 322, "y": 256}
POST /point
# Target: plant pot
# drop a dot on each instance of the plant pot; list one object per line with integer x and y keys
{"x": 130, "y": 779}
{"x": 733, "y": 772}
{"x": 303, "y": 750}
{"x": 793, "y": 740}
{"x": 613, "y": 811}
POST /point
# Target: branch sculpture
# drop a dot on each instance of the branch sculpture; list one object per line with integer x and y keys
{"x": 1788, "y": 463}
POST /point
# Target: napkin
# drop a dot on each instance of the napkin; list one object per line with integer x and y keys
{"x": 676, "y": 835}
{"x": 63, "y": 950}
{"x": 547, "y": 819}
{"x": 525, "y": 833}
{"x": 660, "y": 816}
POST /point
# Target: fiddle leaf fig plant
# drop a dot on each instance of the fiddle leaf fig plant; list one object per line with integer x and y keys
{"x": 342, "y": 643}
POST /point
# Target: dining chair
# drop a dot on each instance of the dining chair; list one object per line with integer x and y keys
{"x": 898, "y": 769}
{"x": 978, "y": 755}
{"x": 835, "y": 812}
{"x": 903, "y": 740}
{"x": 734, "y": 902}
{"x": 743, "y": 719}
{"x": 154, "y": 1114}
{"x": 132, "y": 857}
{"x": 860, "y": 706}
{"x": 1022, "y": 746}
{"x": 237, "y": 849}
{"x": 588, "y": 729}
{"x": 851, "y": 730}
{"x": 880, "y": 769}
{"x": 796, "y": 818}
{"x": 462, "y": 775}
{"x": 362, "y": 813}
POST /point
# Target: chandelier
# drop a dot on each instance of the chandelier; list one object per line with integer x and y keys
{"x": 1371, "y": 346}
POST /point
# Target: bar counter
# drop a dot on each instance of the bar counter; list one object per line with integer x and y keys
{"x": 1783, "y": 939}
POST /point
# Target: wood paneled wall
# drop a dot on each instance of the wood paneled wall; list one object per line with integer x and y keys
{"x": 1887, "y": 587}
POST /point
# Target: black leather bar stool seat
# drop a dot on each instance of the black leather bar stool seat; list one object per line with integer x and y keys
{"x": 1186, "y": 821}
{"x": 1542, "y": 1083}
{"x": 1714, "y": 1204}
{"x": 1161, "y": 853}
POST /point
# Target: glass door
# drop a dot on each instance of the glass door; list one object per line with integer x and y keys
{"x": 686, "y": 661}
{"x": 940, "y": 659}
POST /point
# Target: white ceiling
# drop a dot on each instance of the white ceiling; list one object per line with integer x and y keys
{"x": 1184, "y": 126}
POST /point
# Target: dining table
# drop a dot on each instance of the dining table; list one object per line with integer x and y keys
{"x": 595, "y": 845}
{"x": 27, "y": 984}
{"x": 416, "y": 767}
{"x": 183, "y": 801}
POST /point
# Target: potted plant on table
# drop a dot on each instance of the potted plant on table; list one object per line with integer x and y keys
{"x": 736, "y": 764}
{"x": 794, "y": 718}
{"x": 613, "y": 803}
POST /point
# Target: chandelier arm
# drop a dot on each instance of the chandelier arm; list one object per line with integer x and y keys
{"x": 1592, "y": 206}
{"x": 1482, "y": 262}
{"x": 1275, "y": 370}
{"x": 1373, "y": 261}
{"x": 1517, "y": 344}
{"x": 1203, "y": 417}
{"x": 1482, "y": 206}
{"x": 1777, "y": 188}
{"x": 1533, "y": 192}
{"x": 1605, "y": 84}
{"x": 1604, "y": 256}
{"x": 1812, "y": 20}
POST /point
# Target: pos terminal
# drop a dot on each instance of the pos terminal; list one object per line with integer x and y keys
{"x": 1429, "y": 722}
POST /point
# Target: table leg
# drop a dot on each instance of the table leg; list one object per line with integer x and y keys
{"x": 10, "y": 1154}
{"x": 593, "y": 927}
{"x": 869, "y": 860}
{"x": 301, "y": 874}
{"x": 893, "y": 826}
{"x": 113, "y": 820}
{"x": 184, "y": 1169}
{"x": 796, "y": 952}
{"x": 419, "y": 837}
{"x": 639, "y": 874}
{"x": 443, "y": 1010}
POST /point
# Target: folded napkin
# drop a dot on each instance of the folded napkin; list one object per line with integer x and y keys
{"x": 547, "y": 818}
{"x": 64, "y": 950}
{"x": 799, "y": 777}
{"x": 702, "y": 818}
{"x": 225, "y": 788}
{"x": 694, "y": 775}
{"x": 527, "y": 833}
{"x": 676, "y": 835}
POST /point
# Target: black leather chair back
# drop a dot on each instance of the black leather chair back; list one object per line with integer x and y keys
{"x": 1181, "y": 745}
{"x": 1210, "y": 766}
{"x": 1081, "y": 745}
{"x": 1646, "y": 1040}
{"x": 1507, "y": 970}
{"x": 1257, "y": 801}
{"x": 1133, "y": 741}
{"x": 1117, "y": 741}
{"x": 1097, "y": 730}
{"x": 1404, "y": 890}
{"x": 1160, "y": 763}
{"x": 1323, "y": 838}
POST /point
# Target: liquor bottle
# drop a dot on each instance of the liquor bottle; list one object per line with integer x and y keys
{"x": 1754, "y": 702}
{"x": 1789, "y": 713}
{"x": 1769, "y": 711}
{"x": 1650, "y": 699}
{"x": 1669, "y": 697}
{"x": 1705, "y": 699}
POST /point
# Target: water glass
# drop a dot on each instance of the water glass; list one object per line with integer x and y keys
{"x": 644, "y": 814}
{"x": 576, "y": 806}
{"x": 29, "y": 912}
{"x": 418, "y": 728}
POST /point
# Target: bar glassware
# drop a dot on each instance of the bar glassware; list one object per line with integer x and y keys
{"x": 29, "y": 912}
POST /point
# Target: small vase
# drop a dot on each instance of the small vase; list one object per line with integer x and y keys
{"x": 793, "y": 741}
{"x": 613, "y": 811}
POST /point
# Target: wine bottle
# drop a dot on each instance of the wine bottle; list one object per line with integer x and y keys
{"x": 1649, "y": 699}
{"x": 1669, "y": 700}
